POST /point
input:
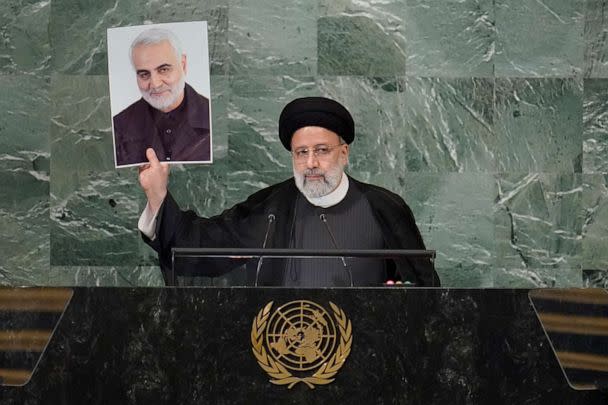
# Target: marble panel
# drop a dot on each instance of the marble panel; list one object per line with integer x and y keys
{"x": 448, "y": 125}
{"x": 450, "y": 39}
{"x": 417, "y": 124}
{"x": 24, "y": 38}
{"x": 454, "y": 212}
{"x": 539, "y": 229}
{"x": 595, "y": 126}
{"x": 94, "y": 208}
{"x": 273, "y": 37}
{"x": 538, "y": 125}
{"x": 361, "y": 38}
{"x": 538, "y": 277}
{"x": 596, "y": 41}
{"x": 595, "y": 226}
{"x": 539, "y": 38}
{"x": 77, "y": 29}
{"x": 24, "y": 219}
{"x": 24, "y": 180}
{"x": 105, "y": 276}
{"x": 24, "y": 122}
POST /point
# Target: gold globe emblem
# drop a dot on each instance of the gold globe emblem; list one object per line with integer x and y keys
{"x": 298, "y": 337}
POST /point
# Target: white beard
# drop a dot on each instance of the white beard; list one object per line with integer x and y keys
{"x": 318, "y": 188}
{"x": 166, "y": 101}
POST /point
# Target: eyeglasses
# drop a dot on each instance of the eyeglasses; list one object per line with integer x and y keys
{"x": 319, "y": 151}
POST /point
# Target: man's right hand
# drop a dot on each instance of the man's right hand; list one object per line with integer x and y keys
{"x": 153, "y": 178}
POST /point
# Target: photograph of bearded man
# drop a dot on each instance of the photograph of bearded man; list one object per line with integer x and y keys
{"x": 170, "y": 117}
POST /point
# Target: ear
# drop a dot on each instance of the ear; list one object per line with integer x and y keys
{"x": 184, "y": 63}
{"x": 344, "y": 153}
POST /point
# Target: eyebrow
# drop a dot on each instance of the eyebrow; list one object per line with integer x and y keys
{"x": 156, "y": 68}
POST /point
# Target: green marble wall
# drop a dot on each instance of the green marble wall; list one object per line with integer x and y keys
{"x": 490, "y": 117}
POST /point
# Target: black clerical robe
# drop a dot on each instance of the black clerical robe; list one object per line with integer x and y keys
{"x": 245, "y": 225}
{"x": 181, "y": 135}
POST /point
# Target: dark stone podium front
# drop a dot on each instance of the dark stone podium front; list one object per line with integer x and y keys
{"x": 193, "y": 346}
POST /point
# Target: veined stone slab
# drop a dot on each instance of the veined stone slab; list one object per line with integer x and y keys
{"x": 539, "y": 224}
{"x": 596, "y": 42}
{"x": 538, "y": 125}
{"x": 539, "y": 38}
{"x": 418, "y": 124}
{"x": 24, "y": 181}
{"x": 454, "y": 212}
{"x": 78, "y": 30}
{"x": 595, "y": 226}
{"x": 24, "y": 215}
{"x": 450, "y": 39}
{"x": 271, "y": 37}
{"x": 105, "y": 276}
{"x": 595, "y": 126}
{"x": 356, "y": 44}
{"x": 24, "y": 45}
{"x": 538, "y": 277}
{"x": 94, "y": 208}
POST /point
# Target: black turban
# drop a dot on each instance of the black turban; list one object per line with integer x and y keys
{"x": 317, "y": 112}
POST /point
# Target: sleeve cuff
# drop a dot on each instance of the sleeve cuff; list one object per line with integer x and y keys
{"x": 147, "y": 222}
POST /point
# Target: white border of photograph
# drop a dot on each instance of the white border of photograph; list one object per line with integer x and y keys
{"x": 122, "y": 80}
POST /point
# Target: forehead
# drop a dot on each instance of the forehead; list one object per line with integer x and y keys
{"x": 310, "y": 136}
{"x": 153, "y": 55}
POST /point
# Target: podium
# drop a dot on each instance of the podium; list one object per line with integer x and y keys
{"x": 196, "y": 345}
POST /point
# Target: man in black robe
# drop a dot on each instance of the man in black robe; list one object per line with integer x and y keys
{"x": 171, "y": 117}
{"x": 319, "y": 208}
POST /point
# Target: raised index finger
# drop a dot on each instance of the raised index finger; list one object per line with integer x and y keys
{"x": 151, "y": 155}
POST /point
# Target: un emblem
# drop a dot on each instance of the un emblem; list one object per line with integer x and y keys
{"x": 301, "y": 342}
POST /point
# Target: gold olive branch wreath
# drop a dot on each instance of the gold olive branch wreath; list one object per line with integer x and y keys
{"x": 279, "y": 374}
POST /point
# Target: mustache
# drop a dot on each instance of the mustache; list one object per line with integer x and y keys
{"x": 313, "y": 172}
{"x": 159, "y": 90}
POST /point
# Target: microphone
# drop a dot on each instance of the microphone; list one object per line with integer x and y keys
{"x": 323, "y": 219}
{"x": 270, "y": 220}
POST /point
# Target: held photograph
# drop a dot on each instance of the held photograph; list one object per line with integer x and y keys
{"x": 160, "y": 93}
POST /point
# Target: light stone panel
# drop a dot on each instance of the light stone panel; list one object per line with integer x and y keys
{"x": 24, "y": 39}
{"x": 595, "y": 226}
{"x": 361, "y": 38}
{"x": 595, "y": 126}
{"x": 417, "y": 124}
{"x": 596, "y": 41}
{"x": 454, "y": 213}
{"x": 538, "y": 125}
{"x": 450, "y": 39}
{"x": 105, "y": 276}
{"x": 271, "y": 37}
{"x": 77, "y": 29}
{"x": 539, "y": 225}
{"x": 538, "y": 278}
{"x": 539, "y": 38}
